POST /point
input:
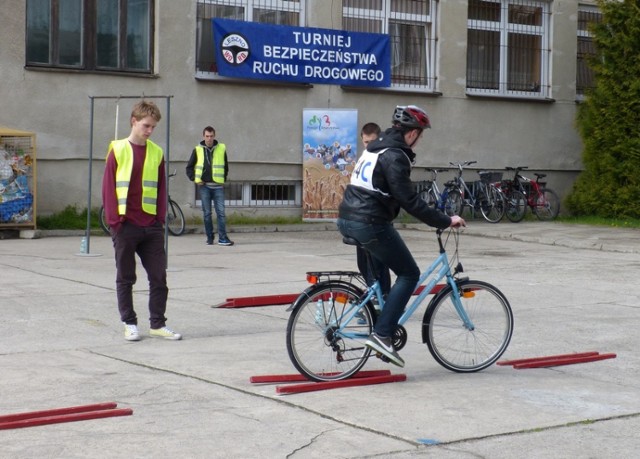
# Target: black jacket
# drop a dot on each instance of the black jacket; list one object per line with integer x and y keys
{"x": 206, "y": 170}
{"x": 392, "y": 177}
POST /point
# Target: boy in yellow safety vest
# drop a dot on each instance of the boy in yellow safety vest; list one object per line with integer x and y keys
{"x": 134, "y": 195}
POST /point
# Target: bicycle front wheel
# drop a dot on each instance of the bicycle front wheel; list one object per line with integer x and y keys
{"x": 547, "y": 205}
{"x": 454, "y": 203}
{"x": 492, "y": 205}
{"x": 320, "y": 344}
{"x": 516, "y": 207}
{"x": 175, "y": 219}
{"x": 455, "y": 345}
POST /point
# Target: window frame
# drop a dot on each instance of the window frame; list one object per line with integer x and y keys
{"x": 581, "y": 58}
{"x": 429, "y": 24}
{"x": 88, "y": 57}
{"x": 505, "y": 28}
{"x": 249, "y": 6}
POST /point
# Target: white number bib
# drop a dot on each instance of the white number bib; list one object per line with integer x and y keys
{"x": 362, "y": 175}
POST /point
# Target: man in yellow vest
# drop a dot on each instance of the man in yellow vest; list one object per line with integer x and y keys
{"x": 134, "y": 195}
{"x": 208, "y": 169}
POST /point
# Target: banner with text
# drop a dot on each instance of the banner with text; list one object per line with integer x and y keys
{"x": 329, "y": 150}
{"x": 301, "y": 54}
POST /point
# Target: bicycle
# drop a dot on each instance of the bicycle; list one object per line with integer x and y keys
{"x": 522, "y": 192}
{"x": 467, "y": 325}
{"x": 430, "y": 192}
{"x": 483, "y": 194}
{"x": 176, "y": 224}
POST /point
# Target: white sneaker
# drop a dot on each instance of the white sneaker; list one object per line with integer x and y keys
{"x": 165, "y": 333}
{"x": 131, "y": 332}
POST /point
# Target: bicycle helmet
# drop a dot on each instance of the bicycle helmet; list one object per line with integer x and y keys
{"x": 411, "y": 116}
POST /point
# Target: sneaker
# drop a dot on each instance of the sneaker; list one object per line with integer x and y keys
{"x": 384, "y": 346}
{"x": 165, "y": 333}
{"x": 209, "y": 241}
{"x": 131, "y": 332}
{"x": 225, "y": 242}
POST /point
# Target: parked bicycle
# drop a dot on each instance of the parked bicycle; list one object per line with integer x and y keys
{"x": 175, "y": 221}
{"x": 432, "y": 194}
{"x": 467, "y": 325}
{"x": 483, "y": 195}
{"x": 522, "y": 192}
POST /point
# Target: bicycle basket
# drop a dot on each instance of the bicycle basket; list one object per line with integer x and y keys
{"x": 490, "y": 177}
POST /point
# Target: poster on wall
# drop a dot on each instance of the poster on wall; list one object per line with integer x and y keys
{"x": 329, "y": 153}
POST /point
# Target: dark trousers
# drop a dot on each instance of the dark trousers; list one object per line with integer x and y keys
{"x": 371, "y": 273}
{"x": 148, "y": 243}
{"x": 386, "y": 245}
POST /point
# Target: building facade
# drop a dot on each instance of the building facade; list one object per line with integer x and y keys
{"x": 500, "y": 79}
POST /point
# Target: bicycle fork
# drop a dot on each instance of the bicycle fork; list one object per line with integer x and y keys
{"x": 457, "y": 302}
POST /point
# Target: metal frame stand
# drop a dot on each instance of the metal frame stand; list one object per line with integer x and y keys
{"x": 166, "y": 158}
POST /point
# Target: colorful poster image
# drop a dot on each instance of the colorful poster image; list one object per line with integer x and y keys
{"x": 329, "y": 153}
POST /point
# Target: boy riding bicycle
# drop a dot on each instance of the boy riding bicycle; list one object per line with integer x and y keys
{"x": 380, "y": 186}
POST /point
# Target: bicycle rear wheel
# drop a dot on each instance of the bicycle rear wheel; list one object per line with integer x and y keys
{"x": 175, "y": 219}
{"x": 458, "y": 348}
{"x": 547, "y": 205}
{"x": 320, "y": 345}
{"x": 516, "y": 207}
{"x": 103, "y": 221}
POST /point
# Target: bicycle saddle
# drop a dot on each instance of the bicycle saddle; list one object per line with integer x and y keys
{"x": 350, "y": 241}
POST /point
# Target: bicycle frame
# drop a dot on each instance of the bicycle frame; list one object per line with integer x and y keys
{"x": 438, "y": 270}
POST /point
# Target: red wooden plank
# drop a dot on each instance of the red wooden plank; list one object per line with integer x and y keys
{"x": 564, "y": 361}
{"x": 56, "y": 419}
{"x": 57, "y": 411}
{"x": 273, "y": 300}
{"x": 309, "y": 387}
{"x": 549, "y": 357}
{"x": 265, "y": 379}
{"x": 266, "y": 300}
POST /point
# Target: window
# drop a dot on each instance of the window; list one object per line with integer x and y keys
{"x": 93, "y": 35}
{"x": 508, "y": 48}
{"x": 260, "y": 194}
{"x": 410, "y": 25}
{"x": 282, "y": 12}
{"x": 587, "y": 15}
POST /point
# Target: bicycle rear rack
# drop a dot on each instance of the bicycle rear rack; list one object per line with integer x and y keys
{"x": 315, "y": 277}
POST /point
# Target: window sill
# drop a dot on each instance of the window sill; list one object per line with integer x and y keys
{"x": 199, "y": 76}
{"x": 397, "y": 90}
{"x": 513, "y": 98}
{"x": 91, "y": 72}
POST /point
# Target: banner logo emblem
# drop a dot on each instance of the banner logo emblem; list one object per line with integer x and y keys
{"x": 235, "y": 48}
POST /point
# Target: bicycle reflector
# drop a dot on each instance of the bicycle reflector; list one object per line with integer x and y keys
{"x": 468, "y": 294}
{"x": 312, "y": 278}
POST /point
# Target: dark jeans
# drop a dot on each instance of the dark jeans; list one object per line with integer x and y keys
{"x": 148, "y": 243}
{"x": 217, "y": 196}
{"x": 377, "y": 270}
{"x": 386, "y": 245}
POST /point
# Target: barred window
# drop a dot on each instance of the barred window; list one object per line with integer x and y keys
{"x": 93, "y": 35}
{"x": 587, "y": 15}
{"x": 508, "y": 48}
{"x": 410, "y": 25}
{"x": 281, "y": 12}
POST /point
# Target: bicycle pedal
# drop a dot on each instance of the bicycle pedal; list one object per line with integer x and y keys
{"x": 383, "y": 357}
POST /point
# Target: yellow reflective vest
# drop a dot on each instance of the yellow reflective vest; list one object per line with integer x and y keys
{"x": 124, "y": 158}
{"x": 217, "y": 163}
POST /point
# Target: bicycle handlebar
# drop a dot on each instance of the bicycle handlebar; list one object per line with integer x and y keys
{"x": 461, "y": 165}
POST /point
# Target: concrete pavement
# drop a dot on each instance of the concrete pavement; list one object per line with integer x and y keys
{"x": 572, "y": 289}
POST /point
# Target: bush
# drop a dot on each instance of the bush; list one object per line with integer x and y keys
{"x": 609, "y": 119}
{"x": 69, "y": 218}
